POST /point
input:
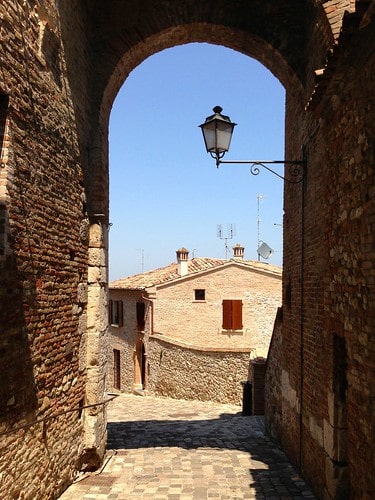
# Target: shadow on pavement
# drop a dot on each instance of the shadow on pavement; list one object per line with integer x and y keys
{"x": 271, "y": 474}
{"x": 230, "y": 431}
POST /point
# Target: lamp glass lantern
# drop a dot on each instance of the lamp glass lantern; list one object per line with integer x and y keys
{"x": 217, "y": 133}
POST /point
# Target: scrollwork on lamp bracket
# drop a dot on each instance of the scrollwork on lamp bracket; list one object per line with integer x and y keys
{"x": 217, "y": 130}
{"x": 295, "y": 168}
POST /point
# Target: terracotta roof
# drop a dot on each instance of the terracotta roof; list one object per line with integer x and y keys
{"x": 196, "y": 265}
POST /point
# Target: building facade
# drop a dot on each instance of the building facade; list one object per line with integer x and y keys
{"x": 190, "y": 329}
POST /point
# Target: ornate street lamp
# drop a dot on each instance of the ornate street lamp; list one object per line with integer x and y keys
{"x": 217, "y": 132}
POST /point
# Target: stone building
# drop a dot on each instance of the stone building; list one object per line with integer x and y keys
{"x": 61, "y": 66}
{"x": 189, "y": 330}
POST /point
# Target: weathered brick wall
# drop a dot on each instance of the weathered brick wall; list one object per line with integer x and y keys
{"x": 44, "y": 239}
{"x": 327, "y": 373}
{"x": 187, "y": 373}
{"x": 125, "y": 343}
{"x": 202, "y": 321}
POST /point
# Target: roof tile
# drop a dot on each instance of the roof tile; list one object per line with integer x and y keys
{"x": 195, "y": 265}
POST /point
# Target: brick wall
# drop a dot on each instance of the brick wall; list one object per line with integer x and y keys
{"x": 273, "y": 381}
{"x": 201, "y": 326}
{"x": 43, "y": 250}
{"x": 124, "y": 338}
{"x": 326, "y": 372}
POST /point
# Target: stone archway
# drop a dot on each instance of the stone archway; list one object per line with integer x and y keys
{"x": 125, "y": 35}
{"x": 293, "y": 40}
{"x": 262, "y": 36}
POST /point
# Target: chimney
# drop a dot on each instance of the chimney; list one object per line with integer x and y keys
{"x": 238, "y": 251}
{"x": 182, "y": 261}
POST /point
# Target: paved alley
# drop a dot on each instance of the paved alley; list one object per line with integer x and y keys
{"x": 165, "y": 449}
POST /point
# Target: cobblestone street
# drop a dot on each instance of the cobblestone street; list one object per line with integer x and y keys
{"x": 161, "y": 448}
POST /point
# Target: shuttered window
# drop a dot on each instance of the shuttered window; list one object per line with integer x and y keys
{"x": 232, "y": 315}
{"x": 116, "y": 313}
{"x": 140, "y": 316}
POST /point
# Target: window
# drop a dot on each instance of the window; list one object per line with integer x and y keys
{"x": 200, "y": 294}
{"x": 116, "y": 313}
{"x": 116, "y": 369}
{"x": 232, "y": 315}
{"x": 140, "y": 316}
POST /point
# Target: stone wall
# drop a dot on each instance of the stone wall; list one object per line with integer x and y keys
{"x": 45, "y": 435}
{"x": 189, "y": 373}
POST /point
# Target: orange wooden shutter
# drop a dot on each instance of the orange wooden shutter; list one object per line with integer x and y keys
{"x": 227, "y": 314}
{"x": 237, "y": 315}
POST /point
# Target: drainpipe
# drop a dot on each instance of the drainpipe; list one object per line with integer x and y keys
{"x": 302, "y": 316}
{"x": 151, "y": 313}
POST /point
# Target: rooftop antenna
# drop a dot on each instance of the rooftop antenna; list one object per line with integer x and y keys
{"x": 260, "y": 198}
{"x": 231, "y": 231}
{"x": 263, "y": 250}
{"x": 142, "y": 258}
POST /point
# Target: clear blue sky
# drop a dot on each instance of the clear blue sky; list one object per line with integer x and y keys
{"x": 165, "y": 190}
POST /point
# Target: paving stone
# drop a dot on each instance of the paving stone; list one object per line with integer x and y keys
{"x": 168, "y": 449}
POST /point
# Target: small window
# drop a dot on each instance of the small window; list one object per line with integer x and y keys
{"x": 232, "y": 315}
{"x": 140, "y": 316}
{"x": 116, "y": 313}
{"x": 200, "y": 294}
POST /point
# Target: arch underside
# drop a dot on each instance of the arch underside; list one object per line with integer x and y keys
{"x": 126, "y": 33}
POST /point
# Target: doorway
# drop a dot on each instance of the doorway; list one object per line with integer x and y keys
{"x": 140, "y": 365}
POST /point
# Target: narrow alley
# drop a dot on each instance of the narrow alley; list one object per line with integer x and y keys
{"x": 160, "y": 448}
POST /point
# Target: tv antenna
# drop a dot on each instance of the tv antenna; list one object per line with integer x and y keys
{"x": 260, "y": 198}
{"x": 142, "y": 258}
{"x": 231, "y": 231}
{"x": 263, "y": 250}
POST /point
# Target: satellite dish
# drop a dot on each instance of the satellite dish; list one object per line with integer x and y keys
{"x": 265, "y": 251}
